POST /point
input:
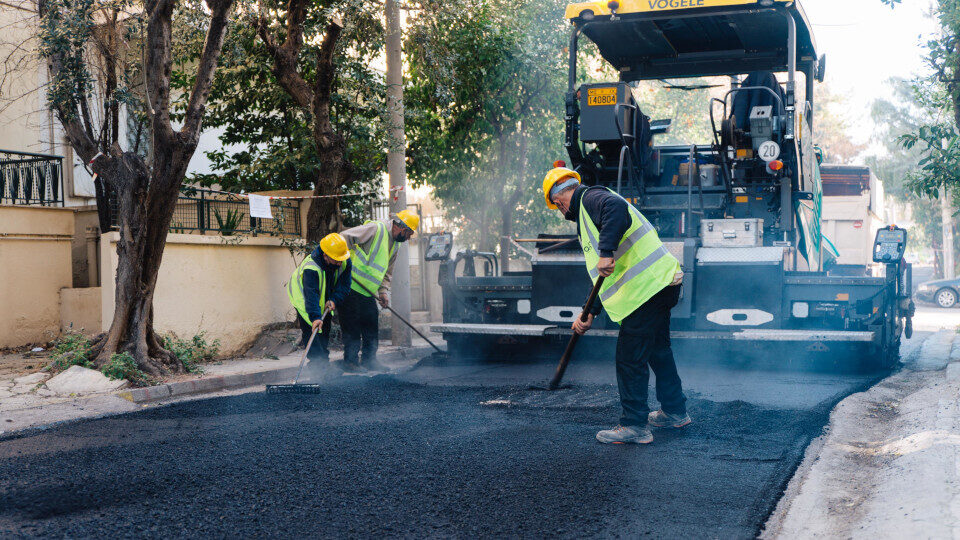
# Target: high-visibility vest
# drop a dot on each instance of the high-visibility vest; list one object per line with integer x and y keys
{"x": 370, "y": 267}
{"x": 295, "y": 286}
{"x": 643, "y": 266}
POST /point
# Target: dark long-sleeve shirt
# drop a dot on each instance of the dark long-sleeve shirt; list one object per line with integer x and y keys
{"x": 608, "y": 212}
{"x": 337, "y": 288}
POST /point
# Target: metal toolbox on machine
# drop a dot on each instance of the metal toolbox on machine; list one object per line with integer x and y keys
{"x": 731, "y": 232}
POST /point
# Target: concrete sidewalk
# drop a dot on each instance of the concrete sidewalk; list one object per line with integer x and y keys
{"x": 25, "y": 402}
{"x": 888, "y": 465}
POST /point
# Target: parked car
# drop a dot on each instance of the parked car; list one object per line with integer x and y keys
{"x": 943, "y": 292}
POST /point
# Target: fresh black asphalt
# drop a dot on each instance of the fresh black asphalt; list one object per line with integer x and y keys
{"x": 405, "y": 457}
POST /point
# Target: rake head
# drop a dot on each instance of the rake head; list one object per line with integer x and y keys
{"x": 294, "y": 388}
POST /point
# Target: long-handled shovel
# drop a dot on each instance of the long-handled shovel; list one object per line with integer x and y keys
{"x": 568, "y": 352}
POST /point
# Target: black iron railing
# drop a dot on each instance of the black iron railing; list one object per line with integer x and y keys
{"x": 31, "y": 179}
{"x": 201, "y": 210}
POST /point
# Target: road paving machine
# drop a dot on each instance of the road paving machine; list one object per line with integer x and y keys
{"x": 741, "y": 213}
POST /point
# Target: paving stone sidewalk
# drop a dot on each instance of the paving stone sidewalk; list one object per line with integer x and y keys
{"x": 26, "y": 402}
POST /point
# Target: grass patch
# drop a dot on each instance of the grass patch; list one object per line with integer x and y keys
{"x": 72, "y": 349}
{"x": 192, "y": 352}
{"x": 123, "y": 366}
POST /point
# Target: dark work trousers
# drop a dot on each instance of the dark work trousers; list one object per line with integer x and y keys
{"x": 644, "y": 344}
{"x": 319, "y": 350}
{"x": 360, "y": 324}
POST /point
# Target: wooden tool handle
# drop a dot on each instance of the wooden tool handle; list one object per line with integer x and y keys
{"x": 568, "y": 352}
{"x": 404, "y": 321}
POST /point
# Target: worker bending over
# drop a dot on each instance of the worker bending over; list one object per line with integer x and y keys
{"x": 642, "y": 284}
{"x": 318, "y": 287}
{"x": 374, "y": 247}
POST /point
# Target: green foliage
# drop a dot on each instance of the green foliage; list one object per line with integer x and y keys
{"x": 485, "y": 111}
{"x": 896, "y": 165}
{"x": 930, "y": 140}
{"x": 687, "y": 108}
{"x": 192, "y": 352}
{"x": 72, "y": 349}
{"x": 937, "y": 95}
{"x": 228, "y": 224}
{"x": 75, "y": 27}
{"x": 123, "y": 366}
{"x": 266, "y": 138}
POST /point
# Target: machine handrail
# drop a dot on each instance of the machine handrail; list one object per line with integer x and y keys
{"x": 633, "y": 158}
{"x": 735, "y": 90}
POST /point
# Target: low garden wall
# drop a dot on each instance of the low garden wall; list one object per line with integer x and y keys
{"x": 35, "y": 263}
{"x": 230, "y": 291}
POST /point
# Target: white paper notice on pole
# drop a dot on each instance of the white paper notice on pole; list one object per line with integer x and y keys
{"x": 260, "y": 206}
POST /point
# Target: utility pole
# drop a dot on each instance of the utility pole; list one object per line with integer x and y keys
{"x": 397, "y": 169}
{"x": 946, "y": 215}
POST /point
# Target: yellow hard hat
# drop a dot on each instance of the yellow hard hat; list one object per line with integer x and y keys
{"x": 555, "y": 175}
{"x": 410, "y": 219}
{"x": 335, "y": 246}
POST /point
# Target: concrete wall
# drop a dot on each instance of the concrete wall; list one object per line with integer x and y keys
{"x": 86, "y": 238}
{"x": 230, "y": 291}
{"x": 81, "y": 310}
{"x": 35, "y": 263}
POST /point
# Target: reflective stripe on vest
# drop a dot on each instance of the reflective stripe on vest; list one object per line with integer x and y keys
{"x": 643, "y": 266}
{"x": 369, "y": 268}
{"x": 295, "y": 287}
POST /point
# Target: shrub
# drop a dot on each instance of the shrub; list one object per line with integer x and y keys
{"x": 123, "y": 366}
{"x": 228, "y": 223}
{"x": 192, "y": 352}
{"x": 72, "y": 349}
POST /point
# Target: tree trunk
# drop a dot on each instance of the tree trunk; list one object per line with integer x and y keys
{"x": 507, "y": 209}
{"x": 506, "y": 232}
{"x": 946, "y": 215}
{"x": 144, "y": 215}
{"x": 324, "y": 215}
{"x": 147, "y": 195}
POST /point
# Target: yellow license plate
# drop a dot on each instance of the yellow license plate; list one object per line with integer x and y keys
{"x": 601, "y": 96}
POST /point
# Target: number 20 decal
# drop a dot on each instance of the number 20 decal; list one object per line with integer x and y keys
{"x": 769, "y": 151}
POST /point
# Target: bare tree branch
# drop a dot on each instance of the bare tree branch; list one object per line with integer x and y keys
{"x": 158, "y": 66}
{"x": 81, "y": 139}
{"x": 324, "y": 83}
{"x": 285, "y": 56}
{"x": 206, "y": 69}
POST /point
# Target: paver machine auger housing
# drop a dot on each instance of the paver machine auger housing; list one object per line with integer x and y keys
{"x": 741, "y": 212}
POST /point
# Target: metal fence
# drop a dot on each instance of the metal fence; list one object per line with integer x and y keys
{"x": 200, "y": 210}
{"x": 31, "y": 179}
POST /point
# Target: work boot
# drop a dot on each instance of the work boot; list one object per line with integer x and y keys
{"x": 625, "y": 435}
{"x": 660, "y": 419}
{"x": 353, "y": 367}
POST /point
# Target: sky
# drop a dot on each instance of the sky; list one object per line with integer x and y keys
{"x": 866, "y": 43}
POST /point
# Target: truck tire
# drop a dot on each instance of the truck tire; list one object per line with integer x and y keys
{"x": 946, "y": 297}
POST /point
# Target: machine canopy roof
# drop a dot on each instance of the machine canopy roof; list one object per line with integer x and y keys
{"x": 657, "y": 39}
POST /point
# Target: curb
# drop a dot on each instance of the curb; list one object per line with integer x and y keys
{"x": 239, "y": 380}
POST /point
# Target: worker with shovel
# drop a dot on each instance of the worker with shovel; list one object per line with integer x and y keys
{"x": 374, "y": 247}
{"x": 318, "y": 287}
{"x": 641, "y": 285}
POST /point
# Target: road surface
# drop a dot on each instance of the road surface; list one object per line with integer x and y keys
{"x": 441, "y": 451}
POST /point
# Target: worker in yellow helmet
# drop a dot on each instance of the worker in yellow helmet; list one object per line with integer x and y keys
{"x": 318, "y": 287}
{"x": 374, "y": 248}
{"x": 641, "y": 285}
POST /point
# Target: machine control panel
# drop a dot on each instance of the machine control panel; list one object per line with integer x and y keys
{"x": 889, "y": 245}
{"x": 439, "y": 246}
